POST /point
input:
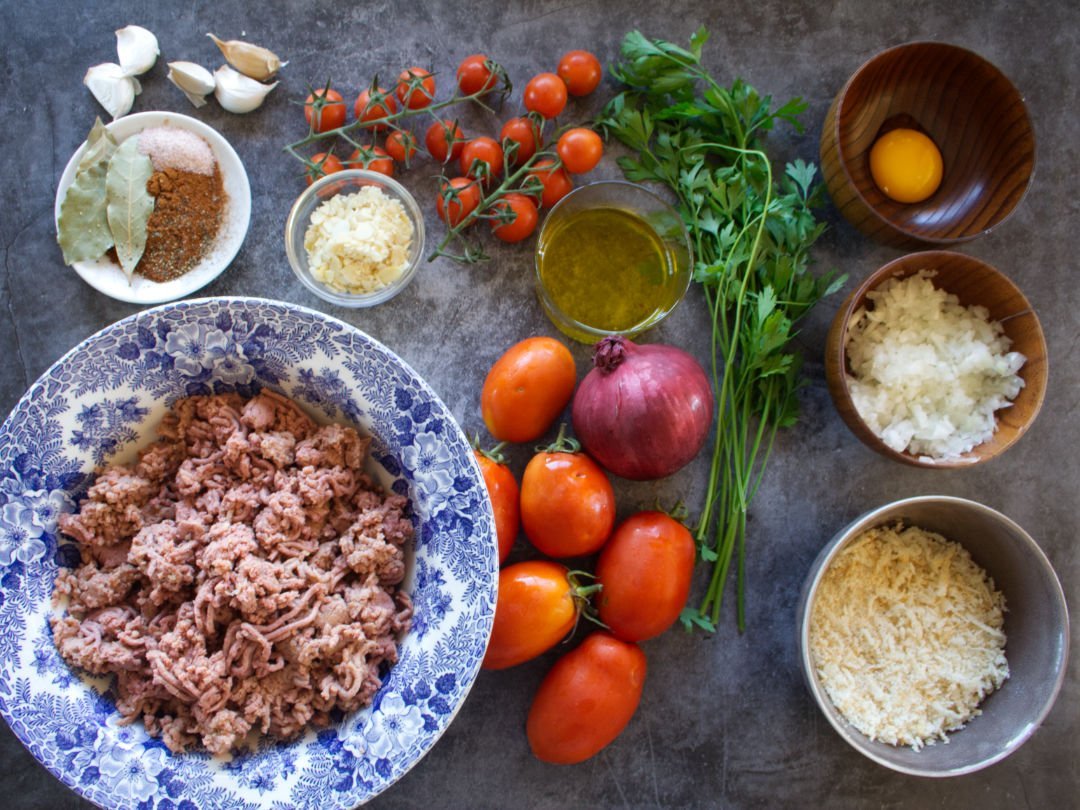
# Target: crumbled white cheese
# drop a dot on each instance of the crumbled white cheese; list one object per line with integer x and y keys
{"x": 906, "y": 635}
{"x": 358, "y": 242}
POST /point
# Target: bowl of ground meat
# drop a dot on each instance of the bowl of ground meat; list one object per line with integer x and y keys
{"x": 246, "y": 559}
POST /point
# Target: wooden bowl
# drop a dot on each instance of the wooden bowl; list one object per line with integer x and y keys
{"x": 971, "y": 111}
{"x": 973, "y": 282}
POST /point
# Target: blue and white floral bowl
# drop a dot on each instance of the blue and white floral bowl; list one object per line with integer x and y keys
{"x": 99, "y": 403}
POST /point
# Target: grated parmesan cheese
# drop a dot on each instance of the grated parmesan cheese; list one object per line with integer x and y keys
{"x": 906, "y": 635}
{"x": 359, "y": 242}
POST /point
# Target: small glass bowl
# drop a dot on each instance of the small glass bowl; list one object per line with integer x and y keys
{"x": 348, "y": 182}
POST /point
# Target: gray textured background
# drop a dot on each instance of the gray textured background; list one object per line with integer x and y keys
{"x": 725, "y": 720}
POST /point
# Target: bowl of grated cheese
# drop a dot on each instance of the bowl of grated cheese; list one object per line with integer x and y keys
{"x": 933, "y": 635}
{"x": 355, "y": 238}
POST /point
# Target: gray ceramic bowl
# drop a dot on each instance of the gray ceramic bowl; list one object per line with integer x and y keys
{"x": 1036, "y": 627}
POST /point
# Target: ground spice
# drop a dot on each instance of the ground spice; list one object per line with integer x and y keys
{"x": 187, "y": 215}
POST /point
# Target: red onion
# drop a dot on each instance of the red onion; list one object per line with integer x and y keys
{"x": 643, "y": 412}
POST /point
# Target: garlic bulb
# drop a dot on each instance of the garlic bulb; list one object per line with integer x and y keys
{"x": 238, "y": 93}
{"x": 251, "y": 60}
{"x": 113, "y": 88}
{"x": 194, "y": 80}
{"x": 137, "y": 49}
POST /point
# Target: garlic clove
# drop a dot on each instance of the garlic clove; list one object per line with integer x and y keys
{"x": 251, "y": 60}
{"x": 194, "y": 80}
{"x": 137, "y": 49}
{"x": 112, "y": 87}
{"x": 238, "y": 93}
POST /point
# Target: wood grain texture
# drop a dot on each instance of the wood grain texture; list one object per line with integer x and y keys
{"x": 973, "y": 113}
{"x": 973, "y": 282}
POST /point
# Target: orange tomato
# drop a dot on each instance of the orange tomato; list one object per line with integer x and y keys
{"x": 536, "y": 609}
{"x": 374, "y": 104}
{"x": 503, "y": 489}
{"x": 324, "y": 164}
{"x": 556, "y": 183}
{"x": 415, "y": 88}
{"x": 581, "y": 71}
{"x": 527, "y": 388}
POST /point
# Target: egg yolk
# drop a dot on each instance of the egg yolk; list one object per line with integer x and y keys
{"x": 906, "y": 165}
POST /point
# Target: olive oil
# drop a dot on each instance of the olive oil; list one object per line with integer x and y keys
{"x": 607, "y": 268}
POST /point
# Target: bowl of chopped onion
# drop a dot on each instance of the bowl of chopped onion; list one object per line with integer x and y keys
{"x": 933, "y": 635}
{"x": 937, "y": 360}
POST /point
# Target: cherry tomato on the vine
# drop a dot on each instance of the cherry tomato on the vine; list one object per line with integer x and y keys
{"x": 524, "y": 133}
{"x": 453, "y": 207}
{"x": 415, "y": 88}
{"x": 517, "y": 218}
{"x": 545, "y": 94}
{"x": 556, "y": 182}
{"x": 324, "y": 164}
{"x": 579, "y": 150}
{"x": 444, "y": 140}
{"x": 581, "y": 71}
{"x": 371, "y": 109}
{"x": 488, "y": 152}
{"x": 376, "y": 159}
{"x": 401, "y": 146}
{"x": 504, "y": 492}
{"x": 586, "y": 700}
{"x": 527, "y": 388}
{"x": 645, "y": 568}
{"x": 475, "y": 74}
{"x": 328, "y": 114}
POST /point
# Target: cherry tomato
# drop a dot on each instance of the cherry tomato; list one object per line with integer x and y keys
{"x": 581, "y": 71}
{"x": 536, "y": 609}
{"x": 556, "y": 182}
{"x": 523, "y": 132}
{"x": 324, "y": 164}
{"x": 401, "y": 146}
{"x": 415, "y": 88}
{"x": 503, "y": 490}
{"x": 453, "y": 209}
{"x": 567, "y": 503}
{"x": 486, "y": 150}
{"x": 372, "y": 109}
{"x": 527, "y": 388}
{"x": 645, "y": 568}
{"x": 586, "y": 700}
{"x": 579, "y": 150}
{"x": 475, "y": 74}
{"x": 525, "y": 218}
{"x": 444, "y": 140}
{"x": 545, "y": 94}
{"x": 328, "y": 114}
{"x": 375, "y": 160}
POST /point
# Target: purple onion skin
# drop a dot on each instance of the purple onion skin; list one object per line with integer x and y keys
{"x": 643, "y": 412}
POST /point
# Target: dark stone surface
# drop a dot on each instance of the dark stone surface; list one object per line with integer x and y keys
{"x": 725, "y": 720}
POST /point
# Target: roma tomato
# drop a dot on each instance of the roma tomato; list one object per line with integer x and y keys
{"x": 555, "y": 183}
{"x": 374, "y": 159}
{"x": 401, "y": 146}
{"x": 579, "y": 150}
{"x": 372, "y": 105}
{"x": 415, "y": 88}
{"x": 527, "y": 388}
{"x": 476, "y": 74}
{"x": 545, "y": 94}
{"x": 324, "y": 164}
{"x": 581, "y": 71}
{"x": 586, "y": 700}
{"x": 645, "y": 569}
{"x": 524, "y": 133}
{"x": 516, "y": 218}
{"x": 488, "y": 152}
{"x": 327, "y": 113}
{"x": 444, "y": 140}
{"x": 454, "y": 206}
{"x": 504, "y": 492}
{"x": 536, "y": 609}
{"x": 567, "y": 501}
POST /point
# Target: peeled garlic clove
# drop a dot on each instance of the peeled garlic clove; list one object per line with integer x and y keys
{"x": 194, "y": 80}
{"x": 112, "y": 87}
{"x": 251, "y": 60}
{"x": 238, "y": 93}
{"x": 137, "y": 49}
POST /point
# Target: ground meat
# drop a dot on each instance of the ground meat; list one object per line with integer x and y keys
{"x": 243, "y": 576}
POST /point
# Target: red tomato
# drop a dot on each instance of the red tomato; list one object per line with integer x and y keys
{"x": 503, "y": 489}
{"x": 556, "y": 183}
{"x": 476, "y": 74}
{"x": 327, "y": 114}
{"x": 527, "y": 388}
{"x": 454, "y": 207}
{"x": 579, "y": 150}
{"x": 444, "y": 140}
{"x": 401, "y": 146}
{"x": 567, "y": 503}
{"x": 415, "y": 88}
{"x": 324, "y": 164}
{"x": 581, "y": 71}
{"x": 523, "y": 132}
{"x": 486, "y": 150}
{"x": 523, "y": 223}
{"x": 373, "y": 159}
{"x": 371, "y": 106}
{"x": 536, "y": 609}
{"x": 645, "y": 568}
{"x": 586, "y": 700}
{"x": 545, "y": 94}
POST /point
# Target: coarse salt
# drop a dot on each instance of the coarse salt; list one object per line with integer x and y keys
{"x": 171, "y": 148}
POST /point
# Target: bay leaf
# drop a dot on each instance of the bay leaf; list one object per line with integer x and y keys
{"x": 82, "y": 229}
{"x": 128, "y": 203}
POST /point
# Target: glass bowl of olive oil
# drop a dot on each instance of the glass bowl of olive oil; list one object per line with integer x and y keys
{"x": 612, "y": 258}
